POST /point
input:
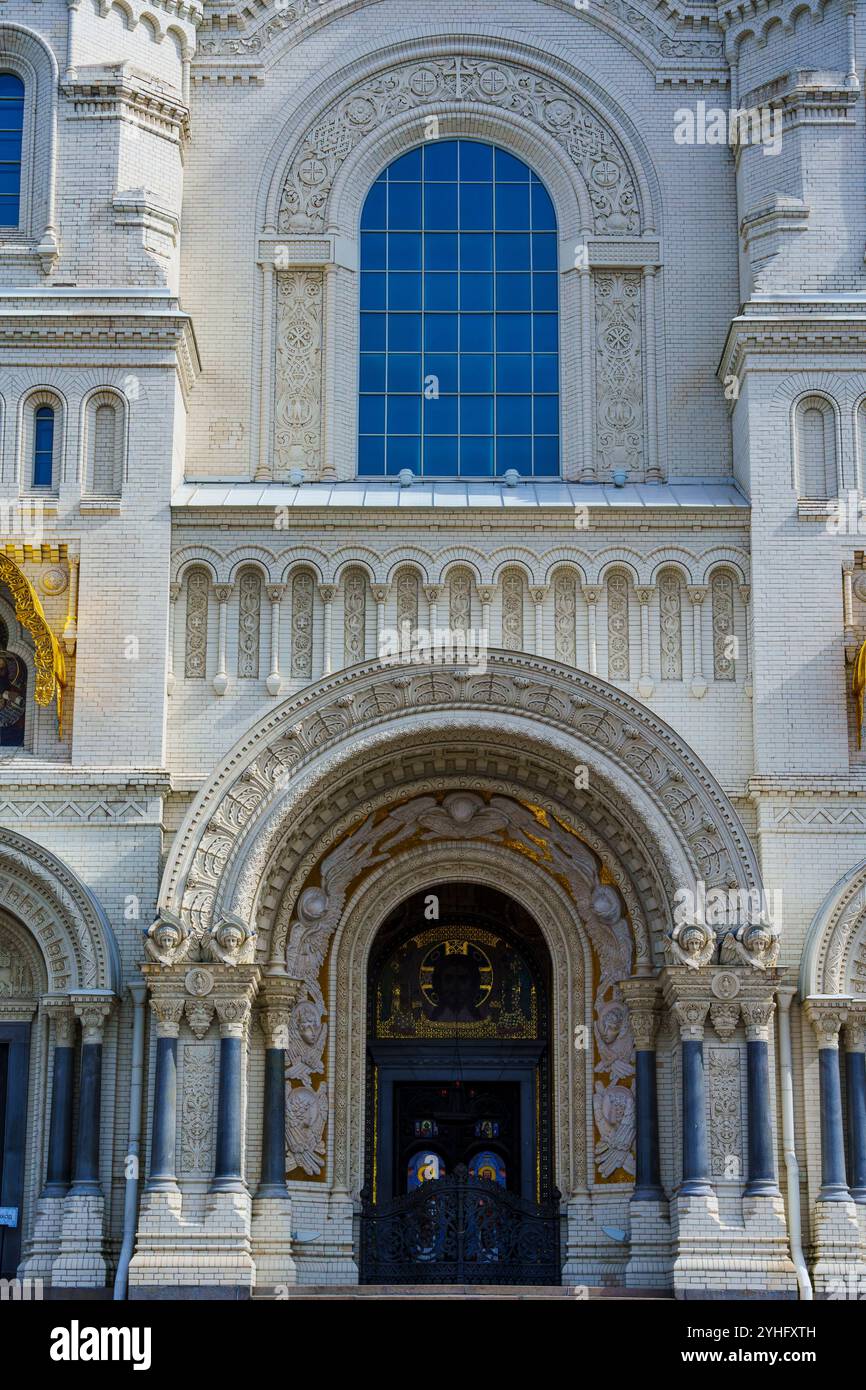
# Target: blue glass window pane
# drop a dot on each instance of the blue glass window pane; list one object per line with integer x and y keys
{"x": 441, "y": 454}
{"x": 512, "y": 207}
{"x": 543, "y": 251}
{"x": 442, "y": 366}
{"x": 440, "y": 290}
{"x": 404, "y": 332}
{"x": 404, "y": 290}
{"x": 546, "y": 415}
{"x": 404, "y": 414}
{"x": 440, "y": 416}
{"x": 514, "y": 453}
{"x": 372, "y": 332}
{"x": 43, "y": 446}
{"x": 476, "y": 291}
{"x": 513, "y": 333}
{"x": 440, "y": 160}
{"x": 476, "y": 457}
{"x": 509, "y": 169}
{"x": 404, "y": 371}
{"x": 10, "y": 178}
{"x": 544, "y": 291}
{"x": 513, "y": 291}
{"x": 543, "y": 216}
{"x": 476, "y": 161}
{"x": 9, "y": 212}
{"x": 403, "y": 452}
{"x": 476, "y": 207}
{"x": 372, "y": 289}
{"x": 547, "y": 456}
{"x": 476, "y": 415}
{"x": 440, "y": 332}
{"x": 545, "y": 372}
{"x": 513, "y": 414}
{"x": 514, "y": 371}
{"x": 440, "y": 251}
{"x": 374, "y": 211}
{"x": 11, "y": 86}
{"x": 372, "y": 414}
{"x": 407, "y": 167}
{"x": 371, "y": 454}
{"x": 512, "y": 251}
{"x": 372, "y": 371}
{"x": 476, "y": 332}
{"x": 476, "y": 251}
{"x": 373, "y": 250}
{"x": 404, "y": 250}
{"x": 440, "y": 207}
{"x": 476, "y": 373}
{"x": 545, "y": 332}
{"x": 10, "y": 142}
{"x": 404, "y": 206}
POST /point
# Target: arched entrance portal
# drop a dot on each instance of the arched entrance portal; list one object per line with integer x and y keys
{"x": 459, "y": 1185}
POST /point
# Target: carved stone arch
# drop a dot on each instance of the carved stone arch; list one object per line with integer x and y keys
{"x": 304, "y": 562}
{"x": 513, "y": 557}
{"x": 471, "y": 560}
{"x": 575, "y": 561}
{"x": 673, "y": 559}
{"x": 258, "y": 560}
{"x": 625, "y": 561}
{"x": 834, "y": 950}
{"x": 66, "y": 919}
{"x": 44, "y": 395}
{"x": 26, "y": 975}
{"x": 240, "y": 817}
{"x": 415, "y": 560}
{"x": 100, "y": 397}
{"x": 198, "y": 557}
{"x": 306, "y": 189}
{"x": 354, "y": 559}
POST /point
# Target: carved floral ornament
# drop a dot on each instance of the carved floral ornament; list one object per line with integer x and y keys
{"x": 441, "y": 84}
{"x": 834, "y": 954}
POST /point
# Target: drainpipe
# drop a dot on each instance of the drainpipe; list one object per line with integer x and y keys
{"x": 138, "y": 990}
{"x": 792, "y": 1167}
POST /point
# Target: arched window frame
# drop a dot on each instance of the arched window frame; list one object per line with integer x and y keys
{"x": 832, "y": 452}
{"x": 10, "y": 126}
{"x": 32, "y": 61}
{"x": 31, "y": 404}
{"x": 101, "y": 398}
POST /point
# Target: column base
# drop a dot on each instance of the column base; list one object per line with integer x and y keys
{"x": 80, "y": 1263}
{"x": 649, "y": 1262}
{"x": 271, "y": 1240}
{"x": 43, "y": 1247}
{"x": 211, "y": 1252}
{"x": 839, "y": 1267}
{"x": 717, "y": 1259}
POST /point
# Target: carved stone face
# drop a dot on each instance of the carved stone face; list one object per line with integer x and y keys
{"x": 610, "y": 1024}
{"x": 693, "y": 941}
{"x": 312, "y": 904}
{"x": 461, "y": 809}
{"x": 230, "y": 937}
{"x": 758, "y": 941}
{"x": 605, "y": 901}
{"x": 308, "y": 1024}
{"x": 167, "y": 937}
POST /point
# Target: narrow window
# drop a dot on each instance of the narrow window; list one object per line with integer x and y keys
{"x": 43, "y": 446}
{"x": 11, "y": 128}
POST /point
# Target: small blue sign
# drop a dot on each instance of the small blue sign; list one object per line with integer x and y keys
{"x": 8, "y": 1216}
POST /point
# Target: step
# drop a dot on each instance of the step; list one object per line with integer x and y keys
{"x": 343, "y": 1293}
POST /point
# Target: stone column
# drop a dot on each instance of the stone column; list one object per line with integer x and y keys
{"x": 644, "y": 593}
{"x": 654, "y": 471}
{"x": 650, "y": 1235}
{"x": 59, "y": 1167}
{"x": 838, "y": 1264}
{"x": 746, "y": 596}
{"x": 432, "y": 593}
{"x": 592, "y": 593}
{"x": 80, "y": 1262}
{"x": 380, "y": 597}
{"x": 538, "y": 593}
{"x": 167, "y": 1010}
{"x": 697, "y": 593}
{"x": 233, "y": 1013}
{"x": 691, "y": 1017}
{"x": 587, "y": 411}
{"x": 271, "y": 1229}
{"x": 486, "y": 595}
{"x": 223, "y": 593}
{"x": 757, "y": 1016}
{"x": 326, "y": 594}
{"x": 274, "y": 681}
{"x": 855, "y": 1078}
{"x": 173, "y": 596}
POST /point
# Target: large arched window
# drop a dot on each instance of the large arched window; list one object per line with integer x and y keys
{"x": 459, "y": 370}
{"x": 11, "y": 128}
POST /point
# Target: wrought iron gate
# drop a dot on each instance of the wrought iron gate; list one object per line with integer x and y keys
{"x": 460, "y": 1230}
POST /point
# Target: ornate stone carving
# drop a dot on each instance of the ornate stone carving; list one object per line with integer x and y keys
{"x": 723, "y": 1091}
{"x": 167, "y": 940}
{"x": 198, "y": 982}
{"x": 354, "y": 617}
{"x": 198, "y": 1108}
{"x": 199, "y": 1013}
{"x": 197, "y": 590}
{"x": 512, "y": 610}
{"x": 617, "y": 628}
{"x": 619, "y": 371}
{"x": 564, "y": 617}
{"x": 307, "y": 1036}
{"x": 306, "y": 1113}
{"x": 93, "y": 1012}
{"x": 614, "y": 1112}
{"x": 302, "y": 626}
{"x": 724, "y": 668}
{"x": 232, "y": 942}
{"x": 614, "y": 1041}
{"x": 298, "y": 384}
{"x": 233, "y": 1012}
{"x": 757, "y": 1016}
{"x": 435, "y": 81}
{"x": 167, "y": 1010}
{"x": 826, "y": 1018}
{"x": 692, "y": 944}
{"x": 755, "y": 944}
{"x": 249, "y": 624}
{"x": 725, "y": 1019}
{"x": 16, "y": 977}
{"x": 407, "y": 601}
{"x": 670, "y": 626}
{"x": 460, "y": 601}
{"x": 691, "y": 1015}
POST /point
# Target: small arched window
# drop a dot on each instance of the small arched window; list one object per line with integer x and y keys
{"x": 11, "y": 131}
{"x": 815, "y": 450}
{"x": 459, "y": 372}
{"x": 43, "y": 446}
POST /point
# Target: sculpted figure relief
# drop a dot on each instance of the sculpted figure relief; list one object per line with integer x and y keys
{"x": 308, "y": 1034}
{"x": 168, "y": 940}
{"x": 754, "y": 944}
{"x": 306, "y": 1113}
{"x": 614, "y": 1040}
{"x": 613, "y": 1107}
{"x": 692, "y": 944}
{"x": 232, "y": 943}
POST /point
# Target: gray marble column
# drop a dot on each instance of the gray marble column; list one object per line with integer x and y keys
{"x": 92, "y": 1010}
{"x": 757, "y": 1016}
{"x": 59, "y": 1166}
{"x": 827, "y": 1019}
{"x": 167, "y": 1012}
{"x": 233, "y": 1014}
{"x": 855, "y": 1081}
{"x": 691, "y": 1016}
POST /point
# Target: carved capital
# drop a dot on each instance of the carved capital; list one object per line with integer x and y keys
{"x": 644, "y": 593}
{"x": 223, "y": 592}
{"x": 591, "y": 592}
{"x": 199, "y": 1013}
{"x": 697, "y": 592}
{"x": 233, "y": 1012}
{"x": 643, "y": 999}
{"x": 538, "y": 592}
{"x": 62, "y": 1015}
{"x": 275, "y": 592}
{"x": 725, "y": 1018}
{"x": 826, "y": 1017}
{"x": 855, "y": 1032}
{"x": 274, "y": 1023}
{"x": 174, "y": 592}
{"x": 168, "y": 1011}
{"x": 691, "y": 1015}
{"x": 745, "y": 594}
{"x": 327, "y": 592}
{"x": 486, "y": 593}
{"x": 92, "y": 1010}
{"x": 432, "y": 592}
{"x": 380, "y": 592}
{"x": 757, "y": 1016}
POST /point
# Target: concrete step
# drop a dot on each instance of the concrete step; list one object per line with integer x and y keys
{"x": 454, "y": 1292}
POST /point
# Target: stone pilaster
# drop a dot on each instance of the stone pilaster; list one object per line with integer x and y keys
{"x": 44, "y": 1245}
{"x": 649, "y": 1263}
{"x": 271, "y": 1229}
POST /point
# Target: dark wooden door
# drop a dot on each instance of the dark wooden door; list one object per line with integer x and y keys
{"x": 14, "y": 1059}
